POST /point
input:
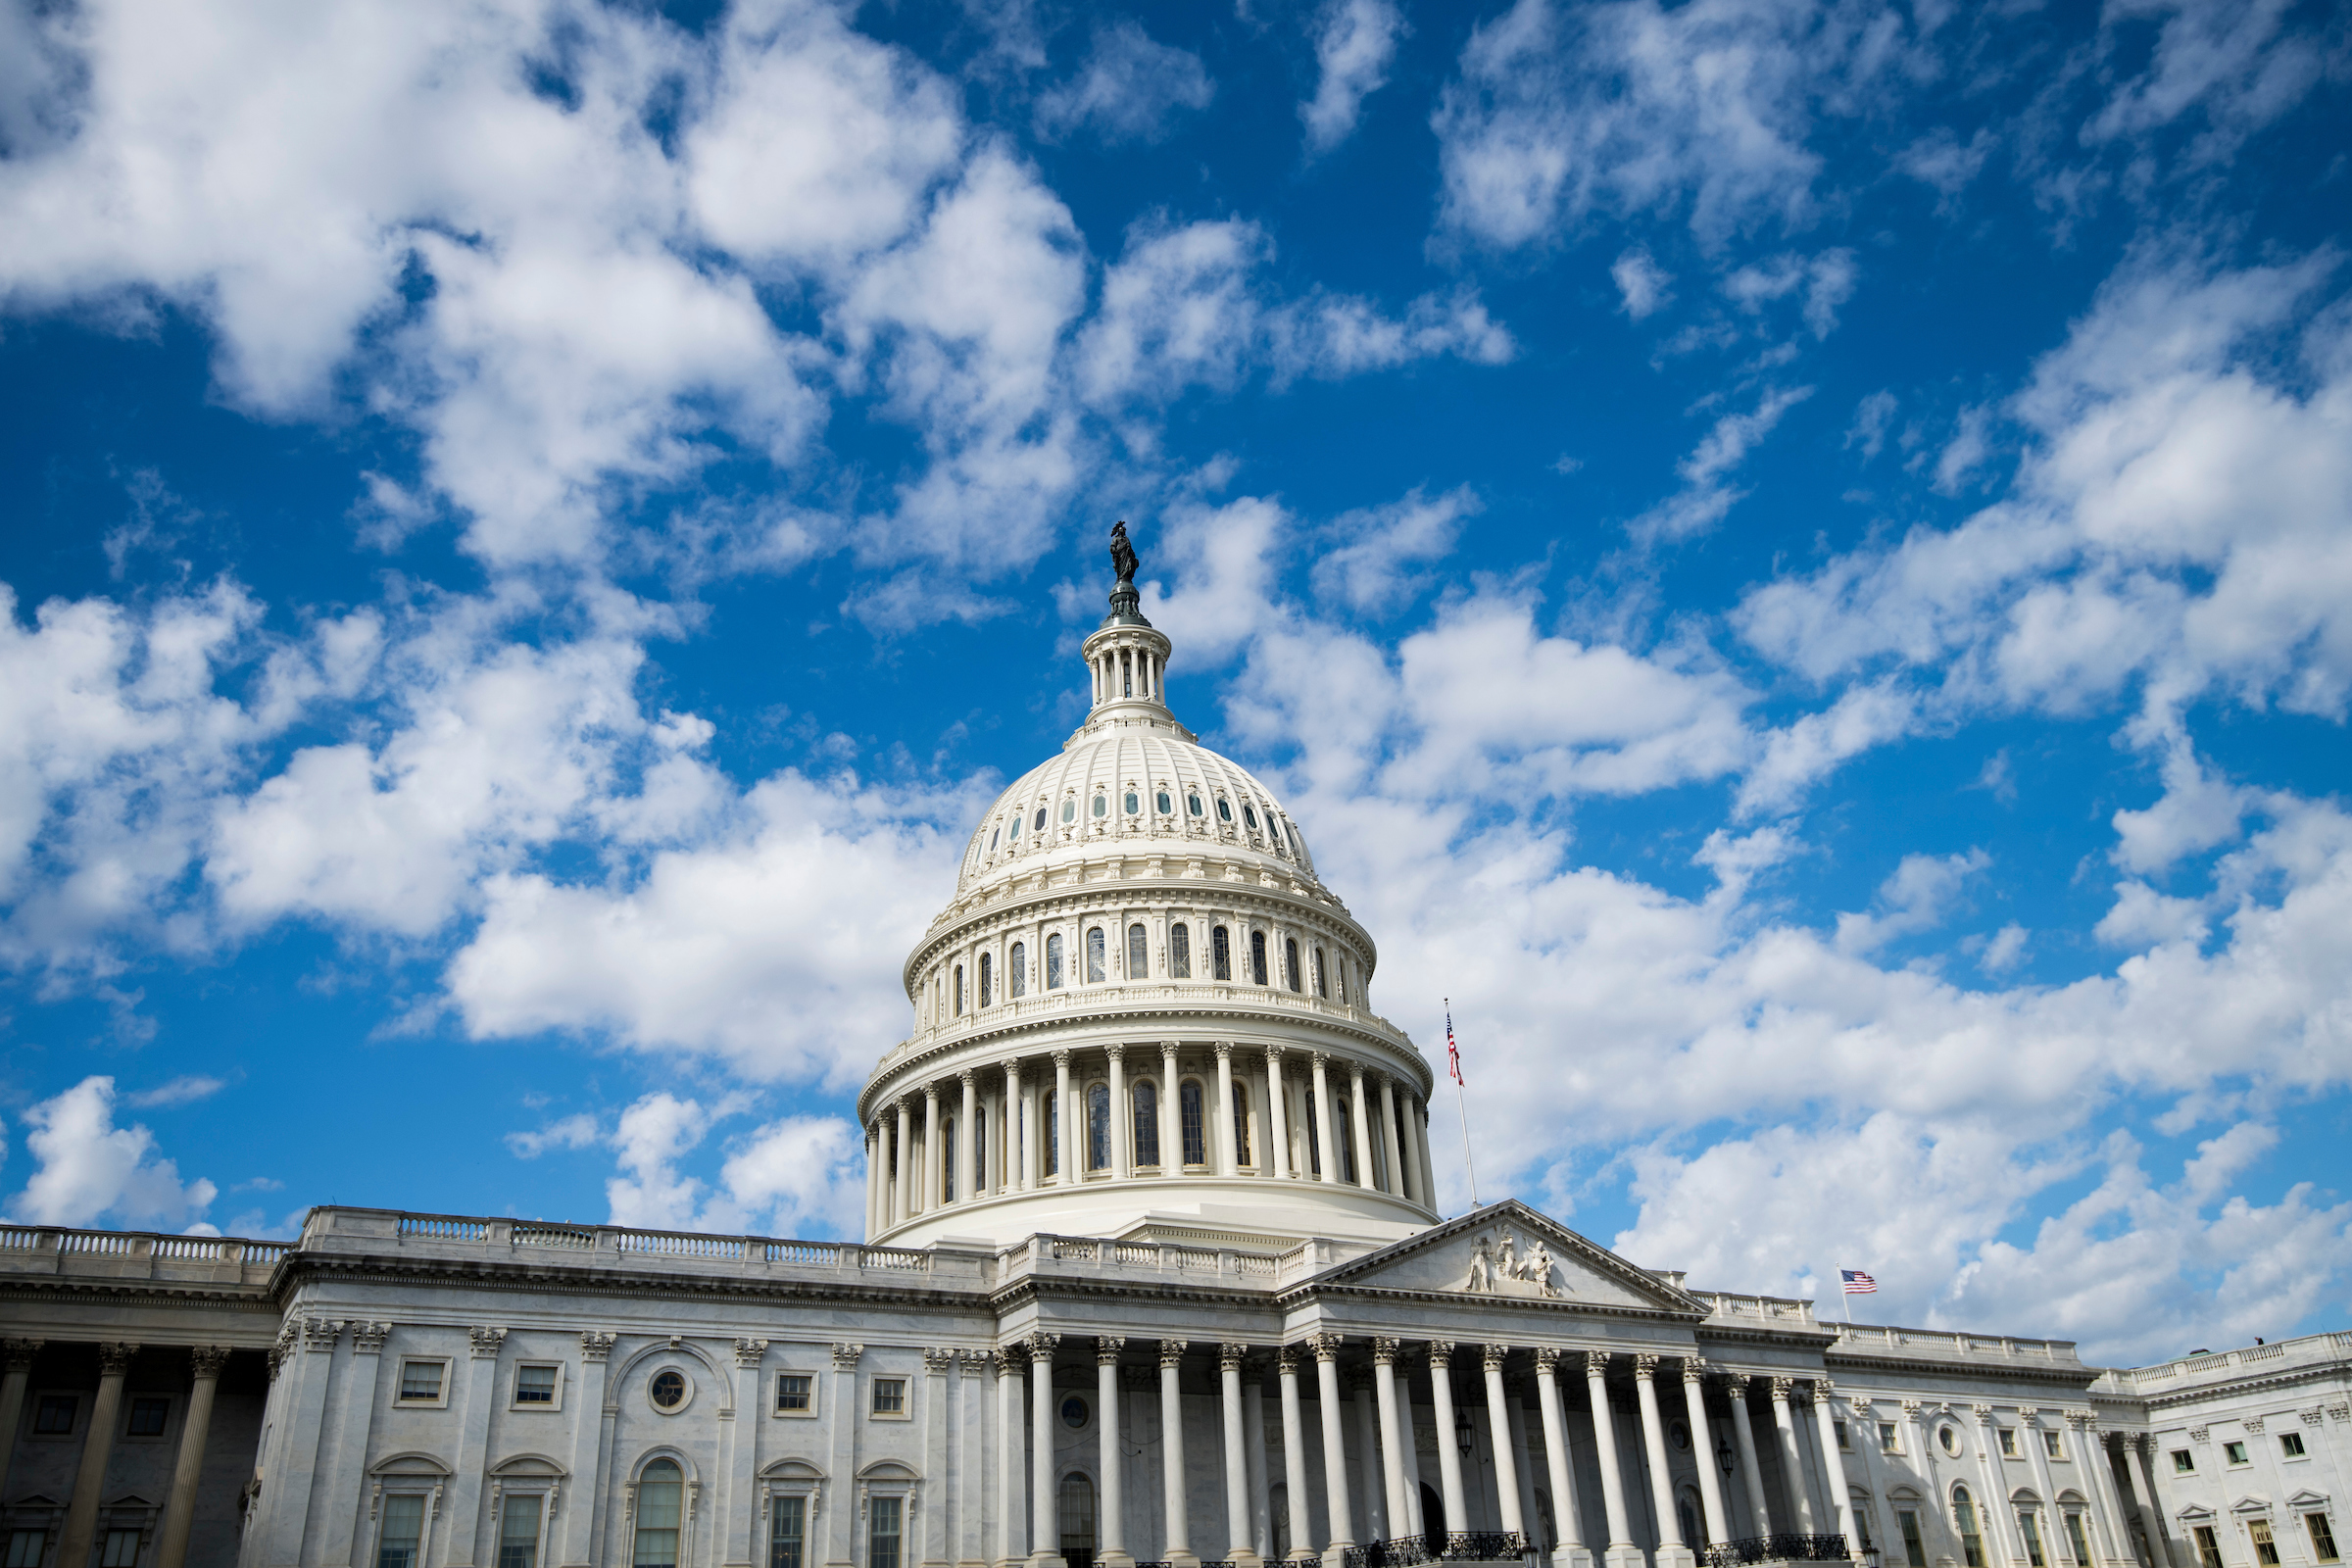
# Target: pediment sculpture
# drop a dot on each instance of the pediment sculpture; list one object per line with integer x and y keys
{"x": 1501, "y": 1268}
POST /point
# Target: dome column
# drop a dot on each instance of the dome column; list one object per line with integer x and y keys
{"x": 1387, "y": 1127}
{"x": 900, "y": 1213}
{"x": 1360, "y": 1128}
{"x": 1171, "y": 1113}
{"x": 1229, "y": 1154}
{"x": 1335, "y": 1451}
{"x": 1065, "y": 1144}
{"x": 967, "y": 1141}
{"x": 934, "y": 1169}
{"x": 1278, "y": 1115}
{"x": 1323, "y": 1147}
{"x": 1121, "y": 1113}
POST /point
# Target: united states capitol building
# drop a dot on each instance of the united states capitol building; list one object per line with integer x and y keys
{"x": 1153, "y": 1273}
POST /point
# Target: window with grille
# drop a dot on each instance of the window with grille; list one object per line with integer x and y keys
{"x": 2235, "y": 1453}
{"x": 987, "y": 979}
{"x": 1289, "y": 964}
{"x": 404, "y": 1524}
{"x": 1098, "y": 1127}
{"x": 1052, "y": 1121}
{"x": 2029, "y": 1525}
{"x": 1016, "y": 971}
{"x": 2266, "y": 1546}
{"x": 1964, "y": 1515}
{"x": 2052, "y": 1445}
{"x": 519, "y": 1533}
{"x": 1322, "y": 981}
{"x": 535, "y": 1384}
{"x": 2182, "y": 1461}
{"x": 890, "y": 1396}
{"x": 1888, "y": 1443}
{"x": 2076, "y": 1540}
{"x": 883, "y": 1516}
{"x": 1146, "y": 1122}
{"x": 121, "y": 1549}
{"x": 1240, "y": 1126}
{"x": 148, "y": 1416}
{"x": 2323, "y": 1538}
{"x": 2008, "y": 1442}
{"x": 420, "y": 1380}
{"x": 946, "y": 1158}
{"x": 2209, "y": 1547}
{"x": 1257, "y": 957}
{"x": 787, "y": 1529}
{"x": 1053, "y": 961}
{"x": 794, "y": 1393}
{"x": 1915, "y": 1550}
{"x": 661, "y": 1491}
{"x": 1094, "y": 955}
{"x": 1180, "y": 952}
{"x": 1139, "y": 952}
{"x": 960, "y": 990}
{"x": 54, "y": 1416}
{"x": 1196, "y": 1136}
{"x": 1220, "y": 955}
{"x": 26, "y": 1547}
{"x": 2290, "y": 1443}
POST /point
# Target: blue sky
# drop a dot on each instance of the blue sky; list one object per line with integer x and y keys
{"x": 1793, "y": 558}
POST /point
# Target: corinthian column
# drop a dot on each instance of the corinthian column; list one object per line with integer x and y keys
{"x": 89, "y": 1477}
{"x": 1335, "y": 1448}
{"x": 205, "y": 1362}
{"x": 1622, "y": 1552}
{"x": 19, "y": 1354}
{"x": 967, "y": 1141}
{"x": 1744, "y": 1428}
{"x": 1793, "y": 1462}
{"x": 1710, "y": 1489}
{"x": 1570, "y": 1551}
{"x": 1239, "y": 1548}
{"x": 1323, "y": 1145}
{"x": 1360, "y": 1128}
{"x": 1041, "y": 1457}
{"x": 1671, "y": 1550}
{"x": 1833, "y": 1467}
{"x": 1450, "y": 1459}
{"x": 1294, "y": 1453}
{"x": 1178, "y": 1551}
{"x": 1506, "y": 1464}
{"x": 1278, "y": 1115}
{"x": 1107, "y": 1425}
{"x": 1392, "y": 1145}
{"x": 1392, "y": 1449}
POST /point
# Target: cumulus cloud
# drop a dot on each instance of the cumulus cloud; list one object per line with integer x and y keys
{"x": 1356, "y": 42}
{"x": 1372, "y": 568}
{"x": 798, "y": 1176}
{"x": 91, "y": 1169}
{"x": 1915, "y": 899}
{"x": 1646, "y": 288}
{"x": 1130, "y": 89}
{"x": 1706, "y": 495}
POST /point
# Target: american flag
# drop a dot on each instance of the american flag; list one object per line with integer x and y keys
{"x": 1453, "y": 1055}
{"x": 1857, "y": 1283}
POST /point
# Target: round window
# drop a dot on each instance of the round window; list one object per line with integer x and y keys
{"x": 1949, "y": 1436}
{"x": 1249, "y": 816}
{"x": 1069, "y": 811}
{"x": 1040, "y": 819}
{"x": 1166, "y": 806}
{"x": 1134, "y": 804}
{"x": 667, "y": 1390}
{"x": 1102, "y": 806}
{"x": 1073, "y": 1412}
{"x": 1224, "y": 808}
{"x": 1193, "y": 804}
{"x": 1681, "y": 1433}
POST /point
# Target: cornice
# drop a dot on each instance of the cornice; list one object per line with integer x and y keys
{"x": 1816, "y": 1338}
{"x": 86, "y": 1291}
{"x": 1525, "y": 1306}
{"x": 1097, "y": 892}
{"x": 596, "y": 1281}
{"x": 2078, "y": 1378}
{"x": 2338, "y": 1371}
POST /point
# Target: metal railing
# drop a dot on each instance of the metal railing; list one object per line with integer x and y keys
{"x": 1461, "y": 1546}
{"x": 1776, "y": 1549}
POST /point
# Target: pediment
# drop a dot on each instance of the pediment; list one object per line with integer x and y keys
{"x": 2251, "y": 1505}
{"x": 2307, "y": 1499}
{"x": 2194, "y": 1512}
{"x": 1509, "y": 1252}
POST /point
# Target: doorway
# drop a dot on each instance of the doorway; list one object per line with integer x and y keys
{"x": 1077, "y": 1511}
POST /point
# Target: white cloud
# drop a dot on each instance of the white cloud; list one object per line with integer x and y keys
{"x": 578, "y": 1131}
{"x": 798, "y": 1176}
{"x": 1808, "y": 749}
{"x": 1916, "y": 897}
{"x": 2006, "y": 950}
{"x": 1644, "y": 286}
{"x": 91, "y": 1169}
{"x": 1356, "y": 42}
{"x": 1942, "y": 161}
{"x": 1824, "y": 283}
{"x": 2239, "y": 63}
{"x": 1872, "y": 415}
{"x": 1372, "y": 570}
{"x": 184, "y": 1089}
{"x": 2195, "y": 813}
{"x": 1130, "y": 89}
{"x": 1705, "y": 497}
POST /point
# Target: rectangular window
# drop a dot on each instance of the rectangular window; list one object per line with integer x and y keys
{"x": 121, "y": 1549}
{"x": 787, "y": 1529}
{"x": 890, "y": 1396}
{"x": 1889, "y": 1441}
{"x": 2182, "y": 1461}
{"x": 1220, "y": 953}
{"x": 2235, "y": 1453}
{"x": 2052, "y": 1445}
{"x": 1845, "y": 1444}
{"x": 2323, "y": 1538}
{"x": 54, "y": 1416}
{"x": 794, "y": 1394}
{"x": 1315, "y": 1138}
{"x": 1094, "y": 957}
{"x": 535, "y": 1384}
{"x": 2290, "y": 1443}
{"x": 2076, "y": 1538}
{"x": 882, "y": 1533}
{"x": 148, "y": 1414}
{"x": 1053, "y": 961}
{"x": 1147, "y": 1124}
{"x": 1915, "y": 1550}
{"x": 1188, "y": 1116}
{"x": 2265, "y": 1547}
{"x": 1180, "y": 952}
{"x": 2008, "y": 1442}
{"x": 2029, "y": 1525}
{"x": 404, "y": 1524}
{"x": 519, "y": 1533}
{"x": 1322, "y": 981}
{"x": 1257, "y": 957}
{"x": 2209, "y": 1548}
{"x": 1139, "y": 954}
{"x": 26, "y": 1546}
{"x": 420, "y": 1380}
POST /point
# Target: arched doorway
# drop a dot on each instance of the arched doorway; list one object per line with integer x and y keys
{"x": 1433, "y": 1520}
{"x": 1077, "y": 1518}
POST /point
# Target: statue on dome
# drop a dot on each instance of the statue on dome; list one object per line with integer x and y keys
{"x": 1122, "y": 555}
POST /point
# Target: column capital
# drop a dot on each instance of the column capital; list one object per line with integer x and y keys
{"x": 1004, "y": 1362}
{"x": 1645, "y": 1367}
{"x": 1440, "y": 1353}
{"x": 1230, "y": 1355}
{"x": 1224, "y": 1050}
{"x": 1823, "y": 1390}
{"x": 207, "y": 1361}
{"x": 750, "y": 1352}
{"x": 1781, "y": 1388}
{"x": 20, "y": 1353}
{"x": 1694, "y": 1370}
{"x": 2082, "y": 1420}
{"x": 1385, "y": 1351}
{"x": 2144, "y": 1442}
{"x": 969, "y": 1362}
{"x": 1171, "y": 1353}
{"x": 485, "y": 1341}
{"x": 1325, "y": 1345}
{"x": 937, "y": 1361}
{"x": 1983, "y": 1413}
{"x": 1596, "y": 1363}
{"x": 1285, "y": 1359}
{"x": 368, "y": 1338}
{"x": 114, "y": 1357}
{"x": 846, "y": 1357}
{"x": 1322, "y": 1058}
{"x": 1738, "y": 1383}
{"x": 969, "y": 1077}
{"x": 1107, "y": 1347}
{"x": 1061, "y": 1059}
{"x": 1355, "y": 1072}
{"x": 1042, "y": 1346}
{"x": 1493, "y": 1355}
{"x": 595, "y": 1345}
{"x": 1274, "y": 1054}
{"x": 1547, "y": 1360}
{"x": 1913, "y": 1409}
{"x": 1116, "y": 1053}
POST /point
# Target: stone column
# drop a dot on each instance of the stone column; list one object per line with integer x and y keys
{"x": 1416, "y": 1170}
{"x": 1359, "y": 1127}
{"x": 1793, "y": 1464}
{"x": 967, "y": 1141}
{"x": 2152, "y": 1519}
{"x": 1428, "y": 1171}
{"x": 1710, "y": 1488}
{"x": 1229, "y": 1154}
{"x": 1012, "y": 1545}
{"x": 932, "y": 1182}
{"x": 1322, "y": 1092}
{"x": 1254, "y": 1456}
{"x": 2054, "y": 1544}
{"x": 1179, "y": 1550}
{"x": 2000, "y": 1520}
{"x": 1065, "y": 1147}
{"x": 1570, "y": 1552}
{"x": 205, "y": 1362}
{"x": 1408, "y": 1448}
{"x": 1171, "y": 1115}
{"x": 89, "y": 1477}
{"x": 1335, "y": 1440}
{"x": 1239, "y": 1549}
{"x": 1449, "y": 1457}
{"x": 1122, "y": 1117}
{"x": 1278, "y": 1116}
{"x": 1744, "y": 1430}
{"x": 1114, "y": 1522}
{"x": 738, "y": 1538}
{"x": 874, "y": 1179}
{"x": 839, "y": 1423}
{"x": 1394, "y": 1149}
{"x": 1040, "y": 1450}
{"x": 1833, "y": 1465}
{"x": 1671, "y": 1550}
{"x": 18, "y": 1355}
{"x": 1294, "y": 1453}
{"x": 1393, "y": 1449}
{"x": 900, "y": 1211}
{"x": 1498, "y": 1426}
{"x": 2109, "y": 1530}
{"x": 1368, "y": 1484}
{"x": 1620, "y": 1551}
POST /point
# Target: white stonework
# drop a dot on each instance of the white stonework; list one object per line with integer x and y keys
{"x": 1232, "y": 1329}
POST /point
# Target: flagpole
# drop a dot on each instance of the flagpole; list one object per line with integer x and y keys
{"x": 1461, "y": 1104}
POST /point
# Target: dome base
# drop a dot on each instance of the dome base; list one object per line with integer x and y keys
{"x": 1257, "y": 1212}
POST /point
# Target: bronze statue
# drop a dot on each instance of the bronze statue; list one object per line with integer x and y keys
{"x": 1122, "y": 555}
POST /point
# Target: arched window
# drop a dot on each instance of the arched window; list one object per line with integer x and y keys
{"x": 1343, "y": 1144}
{"x": 1075, "y": 1509}
{"x": 960, "y": 990}
{"x": 1289, "y": 962}
{"x": 1134, "y": 804}
{"x": 1220, "y": 955}
{"x": 1196, "y": 1127}
{"x": 1146, "y": 1122}
{"x": 1069, "y": 811}
{"x": 1053, "y": 1120}
{"x": 1139, "y": 952}
{"x": 1095, "y": 957}
{"x": 1322, "y": 985}
{"x": 1167, "y": 808}
{"x": 661, "y": 1486}
{"x": 1964, "y": 1515}
{"x": 1101, "y": 805}
{"x": 1257, "y": 957}
{"x": 988, "y": 978}
{"x": 1314, "y": 1136}
{"x": 946, "y": 1159}
{"x": 1240, "y": 1125}
{"x": 1053, "y": 961}
{"x": 1040, "y": 819}
{"x": 1342, "y": 967}
{"x": 1192, "y": 803}
{"x": 1179, "y": 951}
{"x": 1098, "y": 1127}
{"x": 980, "y": 1156}
{"x": 1016, "y": 971}
{"x": 995, "y": 834}
{"x": 1686, "y": 1509}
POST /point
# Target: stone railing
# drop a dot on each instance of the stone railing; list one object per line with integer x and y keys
{"x": 1461, "y": 1546}
{"x": 1169, "y": 1260}
{"x": 137, "y": 1254}
{"x": 1768, "y": 1308}
{"x": 1870, "y": 1339}
{"x": 463, "y": 1236}
{"x": 1117, "y": 996}
{"x": 1776, "y": 1549}
{"x": 2310, "y": 1350}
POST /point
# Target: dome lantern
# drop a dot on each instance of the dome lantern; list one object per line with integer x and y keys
{"x": 1127, "y": 657}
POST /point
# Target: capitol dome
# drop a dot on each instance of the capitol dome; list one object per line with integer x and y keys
{"x": 1143, "y": 1014}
